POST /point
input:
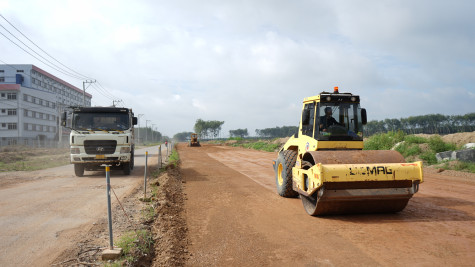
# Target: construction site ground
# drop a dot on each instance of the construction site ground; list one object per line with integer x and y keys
{"x": 220, "y": 208}
{"x": 236, "y": 218}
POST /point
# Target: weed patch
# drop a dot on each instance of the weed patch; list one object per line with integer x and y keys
{"x": 135, "y": 245}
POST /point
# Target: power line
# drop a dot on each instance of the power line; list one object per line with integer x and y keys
{"x": 77, "y": 77}
{"x": 83, "y": 76}
{"x": 100, "y": 89}
{"x": 57, "y": 67}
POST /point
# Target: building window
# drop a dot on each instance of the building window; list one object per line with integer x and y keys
{"x": 12, "y": 126}
{"x": 41, "y": 102}
{"x": 2, "y": 71}
{"x": 4, "y": 111}
{"x": 19, "y": 71}
{"x": 25, "y": 97}
{"x": 2, "y": 79}
{"x": 4, "y": 125}
{"x": 11, "y": 142}
{"x": 25, "y": 112}
{"x": 25, "y": 126}
{"x": 11, "y": 111}
{"x": 11, "y": 96}
{"x": 3, "y": 94}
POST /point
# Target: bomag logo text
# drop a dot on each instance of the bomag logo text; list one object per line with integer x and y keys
{"x": 376, "y": 170}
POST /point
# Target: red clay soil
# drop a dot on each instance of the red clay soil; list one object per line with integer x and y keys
{"x": 235, "y": 218}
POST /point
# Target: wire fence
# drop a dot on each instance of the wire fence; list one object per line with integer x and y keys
{"x": 34, "y": 143}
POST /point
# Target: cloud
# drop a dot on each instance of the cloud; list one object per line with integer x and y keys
{"x": 251, "y": 63}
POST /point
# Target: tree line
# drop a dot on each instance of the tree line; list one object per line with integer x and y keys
{"x": 183, "y": 136}
{"x": 208, "y": 129}
{"x": 238, "y": 133}
{"x": 147, "y": 134}
{"x": 284, "y": 131}
{"x": 427, "y": 124}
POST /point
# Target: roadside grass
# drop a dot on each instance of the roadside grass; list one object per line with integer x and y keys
{"x": 134, "y": 244}
{"x": 268, "y": 146}
{"x": 139, "y": 243}
{"x": 32, "y": 159}
{"x": 174, "y": 158}
{"x": 415, "y": 148}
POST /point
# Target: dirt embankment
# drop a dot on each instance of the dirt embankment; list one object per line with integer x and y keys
{"x": 459, "y": 139}
{"x": 169, "y": 229}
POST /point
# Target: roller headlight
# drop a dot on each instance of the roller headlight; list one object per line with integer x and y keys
{"x": 75, "y": 150}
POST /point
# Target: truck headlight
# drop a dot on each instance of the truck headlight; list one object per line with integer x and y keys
{"x": 75, "y": 150}
{"x": 124, "y": 150}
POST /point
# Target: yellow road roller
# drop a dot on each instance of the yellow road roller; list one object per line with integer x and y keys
{"x": 324, "y": 162}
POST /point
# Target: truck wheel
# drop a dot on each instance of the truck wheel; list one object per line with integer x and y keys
{"x": 283, "y": 173}
{"x": 127, "y": 168}
{"x": 79, "y": 170}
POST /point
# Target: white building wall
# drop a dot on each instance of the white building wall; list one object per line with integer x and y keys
{"x": 39, "y": 101}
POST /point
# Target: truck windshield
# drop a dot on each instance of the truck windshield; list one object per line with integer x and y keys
{"x": 101, "y": 121}
{"x": 339, "y": 122}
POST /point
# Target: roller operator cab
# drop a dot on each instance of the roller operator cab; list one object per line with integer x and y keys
{"x": 324, "y": 162}
{"x": 101, "y": 135}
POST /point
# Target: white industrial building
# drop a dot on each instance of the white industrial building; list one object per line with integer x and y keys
{"x": 31, "y": 101}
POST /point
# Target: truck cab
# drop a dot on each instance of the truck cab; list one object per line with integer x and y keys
{"x": 101, "y": 135}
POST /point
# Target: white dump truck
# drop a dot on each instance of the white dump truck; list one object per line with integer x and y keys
{"x": 100, "y": 135}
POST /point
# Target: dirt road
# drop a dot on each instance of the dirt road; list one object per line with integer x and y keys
{"x": 235, "y": 218}
{"x": 42, "y": 212}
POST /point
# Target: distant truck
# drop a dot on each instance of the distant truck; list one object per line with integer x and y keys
{"x": 100, "y": 135}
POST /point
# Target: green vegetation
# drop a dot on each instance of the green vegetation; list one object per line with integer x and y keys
{"x": 238, "y": 132}
{"x": 460, "y": 166}
{"x": 268, "y": 146}
{"x": 135, "y": 244}
{"x": 428, "y": 124}
{"x": 415, "y": 148}
{"x": 181, "y": 137}
{"x": 19, "y": 158}
{"x": 384, "y": 141}
{"x": 174, "y": 158}
{"x": 284, "y": 131}
{"x": 208, "y": 129}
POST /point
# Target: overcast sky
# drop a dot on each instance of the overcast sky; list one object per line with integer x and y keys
{"x": 250, "y": 63}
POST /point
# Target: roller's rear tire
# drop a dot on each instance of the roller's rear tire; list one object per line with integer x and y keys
{"x": 283, "y": 173}
{"x": 79, "y": 170}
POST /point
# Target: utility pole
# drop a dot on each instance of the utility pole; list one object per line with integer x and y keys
{"x": 153, "y": 134}
{"x": 138, "y": 119}
{"x": 84, "y": 90}
{"x": 146, "y": 130}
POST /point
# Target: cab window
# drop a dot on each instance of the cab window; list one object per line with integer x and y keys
{"x": 308, "y": 119}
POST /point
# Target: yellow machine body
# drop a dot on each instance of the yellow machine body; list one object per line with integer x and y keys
{"x": 330, "y": 170}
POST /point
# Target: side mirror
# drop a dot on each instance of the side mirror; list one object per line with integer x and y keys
{"x": 364, "y": 119}
{"x": 134, "y": 120}
{"x": 305, "y": 117}
{"x": 63, "y": 118}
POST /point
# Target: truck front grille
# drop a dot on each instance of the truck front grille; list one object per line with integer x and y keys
{"x": 100, "y": 147}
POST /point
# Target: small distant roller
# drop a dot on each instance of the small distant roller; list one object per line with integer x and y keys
{"x": 194, "y": 140}
{"x": 324, "y": 162}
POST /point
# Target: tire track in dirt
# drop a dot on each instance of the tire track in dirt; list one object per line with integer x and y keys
{"x": 235, "y": 217}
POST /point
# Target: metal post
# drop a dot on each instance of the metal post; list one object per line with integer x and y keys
{"x": 145, "y": 177}
{"x": 167, "y": 150}
{"x": 109, "y": 213}
{"x": 160, "y": 155}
